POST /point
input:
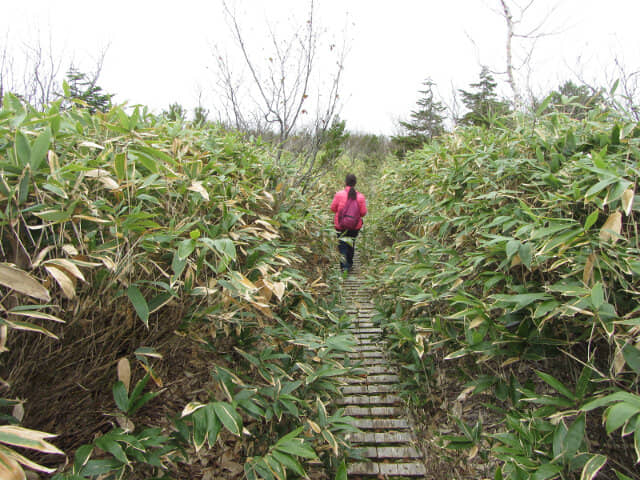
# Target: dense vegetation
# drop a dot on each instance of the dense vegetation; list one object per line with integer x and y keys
{"x": 510, "y": 291}
{"x": 169, "y": 309}
{"x": 173, "y": 288}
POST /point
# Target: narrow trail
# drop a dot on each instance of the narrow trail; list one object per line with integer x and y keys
{"x": 372, "y": 399}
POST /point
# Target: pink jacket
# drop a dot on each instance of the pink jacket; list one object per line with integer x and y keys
{"x": 340, "y": 200}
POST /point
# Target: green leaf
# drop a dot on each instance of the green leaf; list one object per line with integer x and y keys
{"x": 139, "y": 303}
{"x": 186, "y": 248}
{"x": 593, "y": 466}
{"x": 107, "y": 444}
{"x": 546, "y": 470}
{"x": 591, "y": 219}
{"x": 525, "y": 255}
{"x": 574, "y": 436}
{"x": 200, "y": 428}
{"x": 22, "y": 149}
{"x": 614, "y": 397}
{"x": 25, "y": 186}
{"x": 558, "y": 439}
{"x": 229, "y": 417}
{"x": 39, "y": 149}
{"x": 121, "y": 396}
{"x": 83, "y": 453}
{"x": 296, "y": 447}
{"x": 512, "y": 247}
{"x": 597, "y": 296}
{"x": 557, "y": 385}
{"x": 288, "y": 461}
{"x": 617, "y": 415}
{"x": 213, "y": 424}
{"x": 341, "y": 473}
{"x": 632, "y": 357}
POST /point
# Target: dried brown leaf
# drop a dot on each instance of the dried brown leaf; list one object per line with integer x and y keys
{"x": 10, "y": 469}
{"x": 611, "y": 229}
{"x": 20, "y": 281}
{"x": 124, "y": 372}
{"x": 627, "y": 201}
{"x": 63, "y": 279}
{"x": 587, "y": 274}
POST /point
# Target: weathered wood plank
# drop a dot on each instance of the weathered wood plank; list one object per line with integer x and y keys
{"x": 372, "y": 379}
{"x": 385, "y": 412}
{"x": 413, "y": 469}
{"x": 364, "y": 389}
{"x": 397, "y": 452}
{"x": 380, "y": 370}
{"x": 369, "y": 400}
{"x": 363, "y": 468}
{"x": 381, "y": 438}
{"x": 377, "y": 412}
{"x": 381, "y": 423}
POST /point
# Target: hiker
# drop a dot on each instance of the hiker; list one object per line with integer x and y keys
{"x": 349, "y": 206}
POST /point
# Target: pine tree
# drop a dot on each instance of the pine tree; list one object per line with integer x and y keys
{"x": 84, "y": 92}
{"x": 426, "y": 122}
{"x": 483, "y": 104}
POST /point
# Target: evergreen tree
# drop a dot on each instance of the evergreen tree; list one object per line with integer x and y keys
{"x": 84, "y": 92}
{"x": 200, "y": 115}
{"x": 335, "y": 137}
{"x": 574, "y": 100}
{"x": 176, "y": 112}
{"x": 483, "y": 103}
{"x": 425, "y": 124}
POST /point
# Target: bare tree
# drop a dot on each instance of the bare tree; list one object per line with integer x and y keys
{"x": 282, "y": 86}
{"x": 629, "y": 82}
{"x": 515, "y": 31}
{"x": 41, "y": 75}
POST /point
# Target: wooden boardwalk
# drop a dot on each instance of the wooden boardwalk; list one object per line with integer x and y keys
{"x": 386, "y": 441}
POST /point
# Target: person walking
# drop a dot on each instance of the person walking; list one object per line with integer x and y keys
{"x": 349, "y": 207}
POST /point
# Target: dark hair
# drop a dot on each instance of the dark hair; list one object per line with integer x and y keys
{"x": 351, "y": 182}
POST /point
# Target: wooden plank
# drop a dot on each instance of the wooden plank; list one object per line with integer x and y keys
{"x": 374, "y": 361}
{"x": 385, "y": 412}
{"x": 372, "y": 347}
{"x": 363, "y": 468}
{"x": 360, "y": 331}
{"x": 367, "y": 389}
{"x": 369, "y": 400}
{"x": 397, "y": 452}
{"x": 376, "y": 412}
{"x": 413, "y": 469}
{"x": 381, "y": 437}
{"x": 372, "y": 379}
{"x": 355, "y": 411}
{"x": 381, "y": 423}
{"x": 380, "y": 369}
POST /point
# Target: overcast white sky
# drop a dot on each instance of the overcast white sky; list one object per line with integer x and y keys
{"x": 160, "y": 51}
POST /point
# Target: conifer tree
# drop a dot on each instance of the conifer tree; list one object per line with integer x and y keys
{"x": 425, "y": 124}
{"x": 483, "y": 103}
{"x": 84, "y": 92}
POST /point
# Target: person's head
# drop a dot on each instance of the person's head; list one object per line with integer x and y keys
{"x": 350, "y": 180}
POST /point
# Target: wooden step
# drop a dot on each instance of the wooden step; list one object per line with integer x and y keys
{"x": 367, "y": 354}
{"x": 367, "y": 389}
{"x": 380, "y": 370}
{"x": 381, "y": 438}
{"x": 357, "y": 411}
{"x": 412, "y": 469}
{"x": 387, "y": 399}
{"x": 381, "y": 423}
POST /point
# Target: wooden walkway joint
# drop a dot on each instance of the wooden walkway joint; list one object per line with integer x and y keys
{"x": 386, "y": 440}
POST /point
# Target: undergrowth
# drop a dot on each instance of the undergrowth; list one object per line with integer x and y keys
{"x": 511, "y": 293}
